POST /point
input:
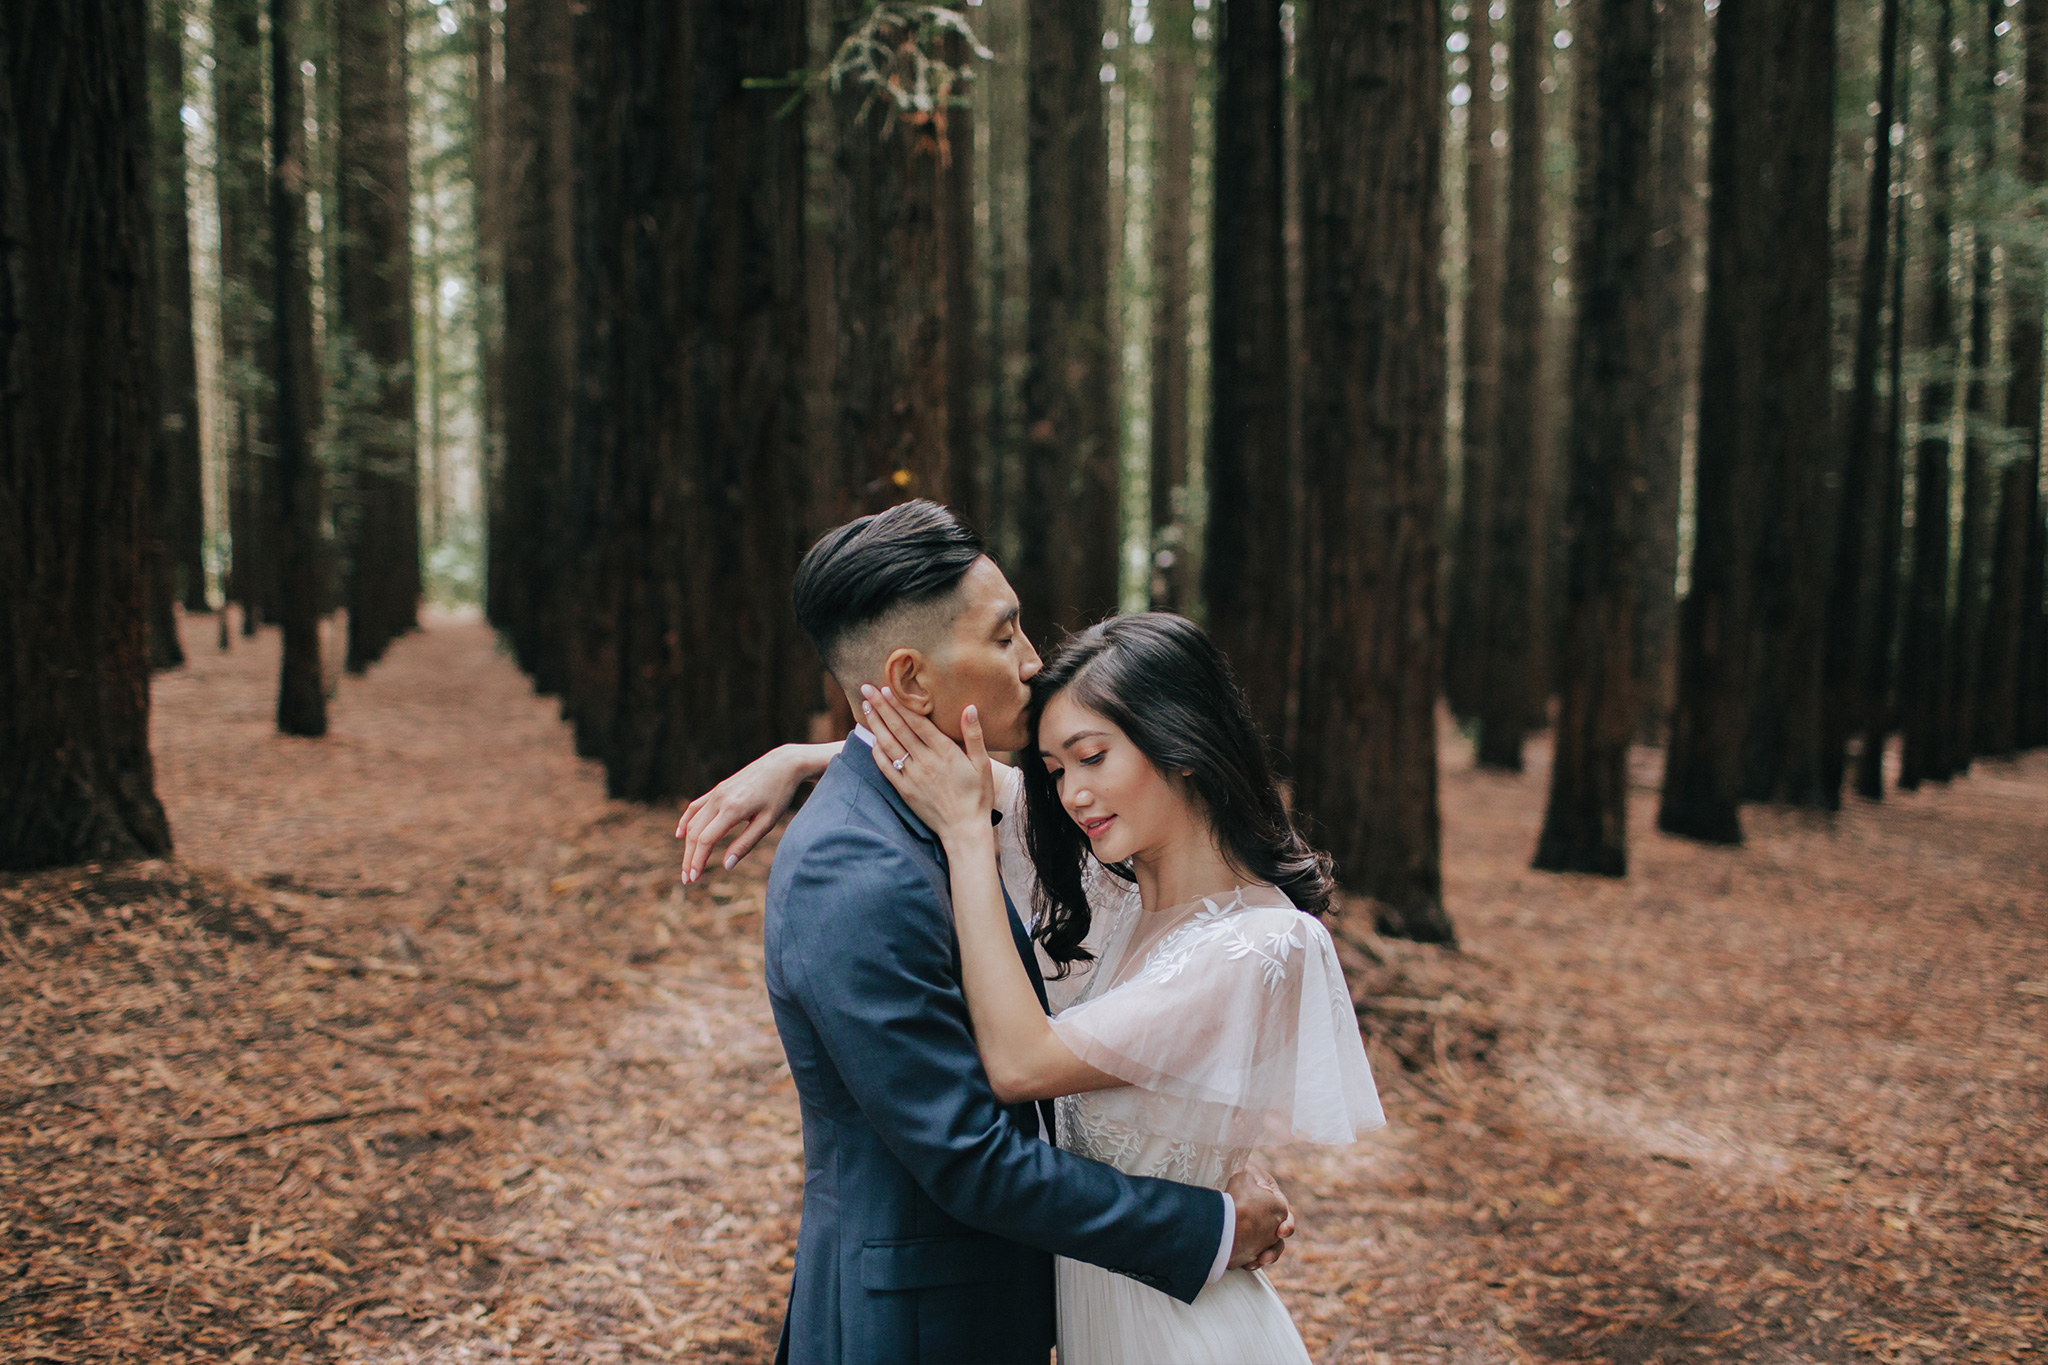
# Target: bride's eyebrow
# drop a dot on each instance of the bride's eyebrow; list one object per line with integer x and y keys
{"x": 1080, "y": 735}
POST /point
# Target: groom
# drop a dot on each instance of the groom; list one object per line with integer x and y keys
{"x": 931, "y": 1211}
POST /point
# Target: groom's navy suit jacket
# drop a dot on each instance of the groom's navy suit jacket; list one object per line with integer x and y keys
{"x": 930, "y": 1210}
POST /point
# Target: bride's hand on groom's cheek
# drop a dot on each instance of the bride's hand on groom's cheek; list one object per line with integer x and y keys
{"x": 950, "y": 790}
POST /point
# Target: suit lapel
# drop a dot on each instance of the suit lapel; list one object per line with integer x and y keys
{"x": 860, "y": 758}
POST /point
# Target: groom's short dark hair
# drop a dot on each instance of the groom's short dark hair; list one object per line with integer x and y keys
{"x": 911, "y": 554}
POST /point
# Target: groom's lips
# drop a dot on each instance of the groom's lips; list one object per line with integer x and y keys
{"x": 1094, "y": 827}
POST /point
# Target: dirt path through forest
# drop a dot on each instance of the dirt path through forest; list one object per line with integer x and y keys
{"x": 417, "y": 1053}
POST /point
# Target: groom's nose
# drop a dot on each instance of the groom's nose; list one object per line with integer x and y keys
{"x": 1032, "y": 663}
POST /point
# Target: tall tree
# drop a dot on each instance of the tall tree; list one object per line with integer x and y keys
{"x": 375, "y": 317}
{"x": 1372, "y": 444}
{"x": 687, "y": 509}
{"x": 1966, "y": 634}
{"x": 896, "y": 182}
{"x": 1792, "y": 510}
{"x": 1849, "y": 623}
{"x": 2011, "y": 669}
{"x": 1878, "y": 672}
{"x": 1250, "y": 573}
{"x": 78, "y": 421}
{"x": 241, "y": 178}
{"x": 1482, "y": 324}
{"x": 1923, "y": 651}
{"x": 967, "y": 455}
{"x": 487, "y": 174}
{"x": 1507, "y": 686}
{"x": 180, "y": 511}
{"x": 1172, "y": 232}
{"x": 1764, "y": 381}
{"x": 528, "y": 547}
{"x": 1069, "y": 527}
{"x": 301, "y": 690}
{"x": 1585, "y": 827}
{"x": 1680, "y": 220}
{"x": 2025, "y": 403}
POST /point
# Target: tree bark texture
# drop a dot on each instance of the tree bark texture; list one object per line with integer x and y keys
{"x": 301, "y": 690}
{"x": 1764, "y": 385}
{"x": 1794, "y": 507}
{"x": 686, "y": 507}
{"x": 1509, "y": 691}
{"x": 2007, "y": 662}
{"x": 1679, "y": 226}
{"x": 894, "y": 185}
{"x": 967, "y": 448}
{"x": 1250, "y": 566}
{"x": 529, "y": 544}
{"x": 79, "y": 419}
{"x": 1614, "y": 355}
{"x": 1373, "y": 434}
{"x": 2027, "y": 618}
{"x": 487, "y": 171}
{"x": 374, "y": 291}
{"x": 1069, "y": 532}
{"x": 241, "y": 178}
{"x": 1850, "y": 628}
{"x": 1923, "y": 650}
{"x": 1878, "y": 673}
{"x": 1251, "y": 573}
{"x": 180, "y": 511}
{"x": 1966, "y": 638}
{"x": 1172, "y": 233}
{"x": 1483, "y": 264}
{"x": 173, "y": 486}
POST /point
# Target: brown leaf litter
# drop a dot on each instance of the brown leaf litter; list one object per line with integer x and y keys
{"x": 418, "y": 1053}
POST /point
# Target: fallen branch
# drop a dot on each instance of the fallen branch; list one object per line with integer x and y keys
{"x": 409, "y": 971}
{"x": 315, "y": 1121}
{"x": 416, "y": 1053}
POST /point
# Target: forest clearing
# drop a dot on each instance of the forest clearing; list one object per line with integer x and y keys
{"x": 418, "y": 1052}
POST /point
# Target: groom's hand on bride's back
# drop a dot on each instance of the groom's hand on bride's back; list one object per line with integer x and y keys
{"x": 1264, "y": 1221}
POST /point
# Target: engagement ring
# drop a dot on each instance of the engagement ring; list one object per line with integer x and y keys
{"x": 898, "y": 763}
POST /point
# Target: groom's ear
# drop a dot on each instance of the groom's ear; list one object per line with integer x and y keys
{"x": 903, "y": 674}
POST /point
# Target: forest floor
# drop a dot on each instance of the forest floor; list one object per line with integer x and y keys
{"x": 417, "y": 1052}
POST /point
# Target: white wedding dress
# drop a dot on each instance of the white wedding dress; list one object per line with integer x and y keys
{"x": 1230, "y": 1020}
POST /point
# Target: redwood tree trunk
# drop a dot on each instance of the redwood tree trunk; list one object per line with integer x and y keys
{"x": 891, "y": 195}
{"x": 529, "y": 542}
{"x": 78, "y": 420}
{"x": 1250, "y": 569}
{"x": 2023, "y": 408}
{"x": 1764, "y": 398}
{"x": 1585, "y": 828}
{"x": 1850, "y": 627}
{"x": 1483, "y": 262}
{"x": 2016, "y": 555}
{"x": 1923, "y": 652}
{"x": 1508, "y": 689}
{"x": 1675, "y": 245}
{"x": 1172, "y": 229}
{"x": 1966, "y": 639}
{"x": 241, "y": 177}
{"x": 1878, "y": 672}
{"x": 180, "y": 510}
{"x": 301, "y": 693}
{"x": 1373, "y": 450}
{"x": 374, "y": 290}
{"x": 1068, "y": 526}
{"x": 687, "y": 502}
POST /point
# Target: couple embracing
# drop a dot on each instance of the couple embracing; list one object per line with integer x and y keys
{"x": 1039, "y": 1018}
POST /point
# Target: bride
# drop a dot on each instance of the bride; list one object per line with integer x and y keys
{"x": 1204, "y": 1012}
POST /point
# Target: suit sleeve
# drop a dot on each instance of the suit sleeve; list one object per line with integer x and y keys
{"x": 871, "y": 953}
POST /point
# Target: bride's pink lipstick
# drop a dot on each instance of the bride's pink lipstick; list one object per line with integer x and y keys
{"x": 1092, "y": 828}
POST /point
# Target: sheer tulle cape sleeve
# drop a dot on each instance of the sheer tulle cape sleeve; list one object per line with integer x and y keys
{"x": 1240, "y": 1030}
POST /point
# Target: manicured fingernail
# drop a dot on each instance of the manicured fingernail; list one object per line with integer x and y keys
{"x": 731, "y": 863}
{"x": 866, "y": 691}
{"x": 866, "y": 710}
{"x": 887, "y": 693}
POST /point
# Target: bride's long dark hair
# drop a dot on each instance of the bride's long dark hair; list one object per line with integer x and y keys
{"x": 1165, "y": 685}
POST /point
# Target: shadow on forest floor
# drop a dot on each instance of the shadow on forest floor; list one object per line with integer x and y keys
{"x": 418, "y": 1053}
